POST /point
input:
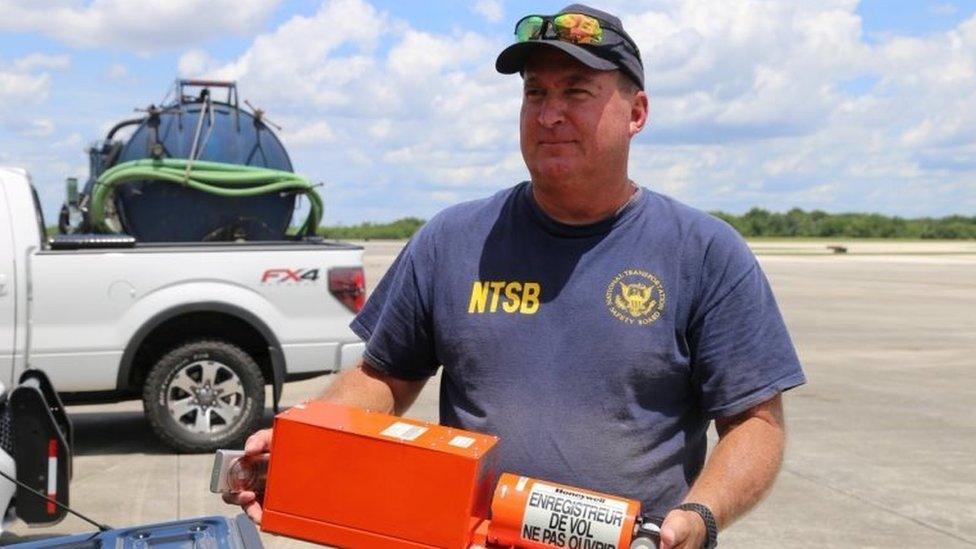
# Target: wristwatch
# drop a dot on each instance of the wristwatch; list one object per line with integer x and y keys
{"x": 711, "y": 527}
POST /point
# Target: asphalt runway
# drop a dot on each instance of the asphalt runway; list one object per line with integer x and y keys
{"x": 882, "y": 440}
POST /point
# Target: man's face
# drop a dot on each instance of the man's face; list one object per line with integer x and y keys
{"x": 576, "y": 122}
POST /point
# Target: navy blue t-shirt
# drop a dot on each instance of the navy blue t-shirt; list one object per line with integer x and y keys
{"x": 599, "y": 353}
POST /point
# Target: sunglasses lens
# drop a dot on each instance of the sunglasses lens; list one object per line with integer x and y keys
{"x": 529, "y": 28}
{"x": 578, "y": 28}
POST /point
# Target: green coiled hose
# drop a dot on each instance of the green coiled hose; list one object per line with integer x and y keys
{"x": 230, "y": 180}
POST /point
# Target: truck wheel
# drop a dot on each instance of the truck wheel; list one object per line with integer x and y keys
{"x": 204, "y": 395}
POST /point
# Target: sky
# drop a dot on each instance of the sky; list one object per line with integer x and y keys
{"x": 396, "y": 109}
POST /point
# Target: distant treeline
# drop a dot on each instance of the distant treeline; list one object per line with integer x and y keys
{"x": 816, "y": 223}
{"x": 399, "y": 229}
{"x": 755, "y": 222}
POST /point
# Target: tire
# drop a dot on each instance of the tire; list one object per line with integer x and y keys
{"x": 204, "y": 395}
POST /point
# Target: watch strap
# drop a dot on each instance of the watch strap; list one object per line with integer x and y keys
{"x": 711, "y": 526}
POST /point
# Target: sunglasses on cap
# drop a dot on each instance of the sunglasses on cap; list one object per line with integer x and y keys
{"x": 575, "y": 28}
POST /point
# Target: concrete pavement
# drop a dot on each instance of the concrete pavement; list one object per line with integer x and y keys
{"x": 882, "y": 438}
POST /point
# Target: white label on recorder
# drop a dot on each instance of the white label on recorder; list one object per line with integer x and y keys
{"x": 404, "y": 431}
{"x": 461, "y": 441}
{"x": 563, "y": 517}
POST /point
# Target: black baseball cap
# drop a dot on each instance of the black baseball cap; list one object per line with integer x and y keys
{"x": 617, "y": 50}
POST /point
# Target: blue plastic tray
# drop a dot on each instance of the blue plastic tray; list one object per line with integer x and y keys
{"x": 197, "y": 533}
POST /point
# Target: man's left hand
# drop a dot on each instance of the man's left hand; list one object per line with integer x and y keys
{"x": 683, "y": 530}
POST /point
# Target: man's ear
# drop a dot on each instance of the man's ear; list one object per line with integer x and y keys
{"x": 640, "y": 108}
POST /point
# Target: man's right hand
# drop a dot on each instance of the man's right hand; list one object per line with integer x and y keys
{"x": 257, "y": 444}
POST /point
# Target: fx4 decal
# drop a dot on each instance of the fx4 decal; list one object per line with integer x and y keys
{"x": 289, "y": 275}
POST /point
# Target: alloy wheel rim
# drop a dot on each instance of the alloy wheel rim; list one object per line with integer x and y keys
{"x": 205, "y": 397}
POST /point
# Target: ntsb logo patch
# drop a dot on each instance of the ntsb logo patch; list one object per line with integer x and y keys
{"x": 636, "y": 297}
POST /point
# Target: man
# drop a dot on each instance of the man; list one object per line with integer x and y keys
{"x": 595, "y": 326}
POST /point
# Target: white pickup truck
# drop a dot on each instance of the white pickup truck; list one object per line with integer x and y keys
{"x": 195, "y": 330}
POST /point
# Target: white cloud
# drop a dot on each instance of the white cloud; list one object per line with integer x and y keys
{"x": 316, "y": 133}
{"x": 294, "y": 64}
{"x": 195, "y": 63}
{"x": 419, "y": 55}
{"x": 139, "y": 26}
{"x": 492, "y": 10}
{"x": 19, "y": 87}
{"x": 24, "y": 85}
{"x": 381, "y": 129}
{"x": 118, "y": 71}
{"x": 42, "y": 61}
{"x": 445, "y": 197}
{"x": 41, "y": 127}
{"x": 761, "y": 69}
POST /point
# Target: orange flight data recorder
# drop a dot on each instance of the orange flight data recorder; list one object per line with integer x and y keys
{"x": 347, "y": 477}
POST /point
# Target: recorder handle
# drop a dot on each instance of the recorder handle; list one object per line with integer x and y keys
{"x": 647, "y": 535}
{"x": 249, "y": 473}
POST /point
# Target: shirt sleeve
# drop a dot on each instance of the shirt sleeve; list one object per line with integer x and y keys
{"x": 742, "y": 354}
{"x": 396, "y": 321}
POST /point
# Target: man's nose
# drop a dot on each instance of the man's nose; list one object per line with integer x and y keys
{"x": 551, "y": 112}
